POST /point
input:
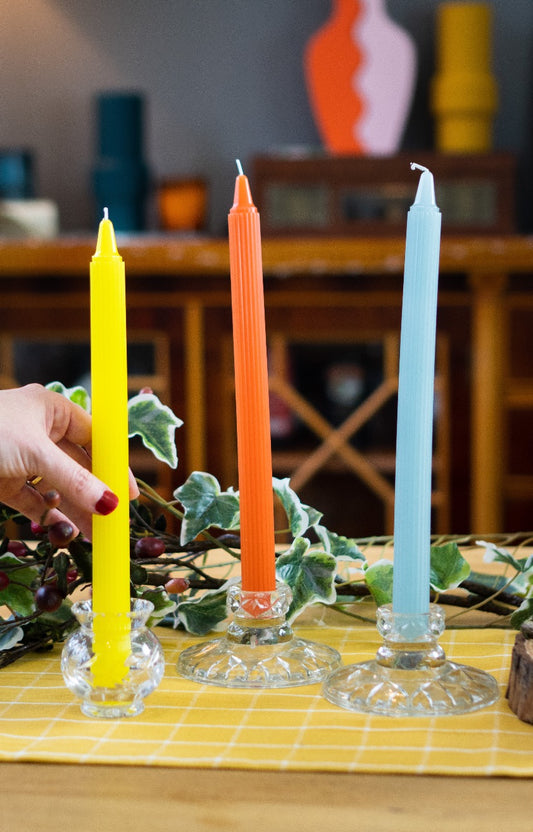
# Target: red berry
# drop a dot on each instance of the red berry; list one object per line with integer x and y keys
{"x": 52, "y": 498}
{"x": 17, "y": 548}
{"x": 4, "y": 580}
{"x": 48, "y": 598}
{"x": 60, "y": 534}
{"x": 177, "y": 585}
{"x": 37, "y": 529}
{"x": 149, "y": 547}
{"x": 72, "y": 574}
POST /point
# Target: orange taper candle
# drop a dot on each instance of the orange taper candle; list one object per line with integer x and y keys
{"x": 254, "y": 453}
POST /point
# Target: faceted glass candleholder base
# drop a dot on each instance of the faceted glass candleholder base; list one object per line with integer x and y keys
{"x": 410, "y": 675}
{"x": 259, "y": 649}
{"x": 112, "y": 690}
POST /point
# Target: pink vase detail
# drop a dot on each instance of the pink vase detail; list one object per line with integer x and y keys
{"x": 360, "y": 70}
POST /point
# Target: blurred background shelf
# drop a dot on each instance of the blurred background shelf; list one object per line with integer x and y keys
{"x": 337, "y": 292}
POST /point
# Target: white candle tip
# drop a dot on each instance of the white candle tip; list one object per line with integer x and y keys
{"x": 239, "y": 167}
{"x": 106, "y": 214}
{"x": 415, "y": 165}
{"x": 425, "y": 194}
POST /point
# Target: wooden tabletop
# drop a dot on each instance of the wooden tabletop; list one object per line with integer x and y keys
{"x": 48, "y": 797}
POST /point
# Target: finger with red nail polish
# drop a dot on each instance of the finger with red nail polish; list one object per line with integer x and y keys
{"x": 107, "y": 503}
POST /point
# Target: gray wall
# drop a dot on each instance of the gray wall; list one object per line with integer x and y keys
{"x": 223, "y": 79}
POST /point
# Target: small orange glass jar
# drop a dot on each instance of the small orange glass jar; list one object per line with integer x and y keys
{"x": 182, "y": 204}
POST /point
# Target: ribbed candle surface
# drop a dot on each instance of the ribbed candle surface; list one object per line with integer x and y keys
{"x": 414, "y": 453}
{"x": 251, "y": 393}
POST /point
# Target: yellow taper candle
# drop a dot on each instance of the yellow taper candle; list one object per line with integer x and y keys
{"x": 109, "y": 394}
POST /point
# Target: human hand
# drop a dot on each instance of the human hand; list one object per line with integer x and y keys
{"x": 43, "y": 433}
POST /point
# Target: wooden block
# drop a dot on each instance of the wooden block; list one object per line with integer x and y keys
{"x": 520, "y": 687}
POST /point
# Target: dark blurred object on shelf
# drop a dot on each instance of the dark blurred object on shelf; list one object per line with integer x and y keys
{"x": 21, "y": 215}
{"x": 16, "y": 173}
{"x": 120, "y": 174}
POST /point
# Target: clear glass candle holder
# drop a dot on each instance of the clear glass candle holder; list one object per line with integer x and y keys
{"x": 144, "y": 663}
{"x": 259, "y": 649}
{"x": 410, "y": 675}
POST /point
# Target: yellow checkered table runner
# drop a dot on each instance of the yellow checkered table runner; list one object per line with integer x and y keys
{"x": 292, "y": 729}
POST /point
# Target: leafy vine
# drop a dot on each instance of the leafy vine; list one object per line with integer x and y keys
{"x": 184, "y": 553}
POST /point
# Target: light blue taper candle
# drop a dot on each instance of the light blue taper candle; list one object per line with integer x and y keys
{"x": 412, "y": 504}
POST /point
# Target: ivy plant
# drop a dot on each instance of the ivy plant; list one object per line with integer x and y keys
{"x": 171, "y": 563}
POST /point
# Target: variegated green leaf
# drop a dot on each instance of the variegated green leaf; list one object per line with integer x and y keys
{"x": 309, "y": 573}
{"x": 206, "y": 505}
{"x": 341, "y": 547}
{"x": 500, "y": 555}
{"x": 300, "y": 517}
{"x": 313, "y": 514}
{"x": 447, "y": 567}
{"x": 496, "y": 583}
{"x": 78, "y": 394}
{"x": 200, "y": 616}
{"x": 523, "y": 613}
{"x": 10, "y": 635}
{"x": 156, "y": 424}
{"x": 18, "y": 594}
{"x": 378, "y": 577}
{"x": 163, "y": 605}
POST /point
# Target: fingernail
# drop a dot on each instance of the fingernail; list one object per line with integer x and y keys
{"x": 107, "y": 503}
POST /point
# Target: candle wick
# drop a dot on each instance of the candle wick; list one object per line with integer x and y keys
{"x": 106, "y": 214}
{"x": 239, "y": 167}
{"x": 417, "y": 166}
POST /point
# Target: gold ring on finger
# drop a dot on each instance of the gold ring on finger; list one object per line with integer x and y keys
{"x": 35, "y": 480}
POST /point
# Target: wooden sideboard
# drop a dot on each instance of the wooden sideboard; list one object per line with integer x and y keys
{"x": 322, "y": 291}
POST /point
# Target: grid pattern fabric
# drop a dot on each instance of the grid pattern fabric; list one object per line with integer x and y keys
{"x": 292, "y": 729}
